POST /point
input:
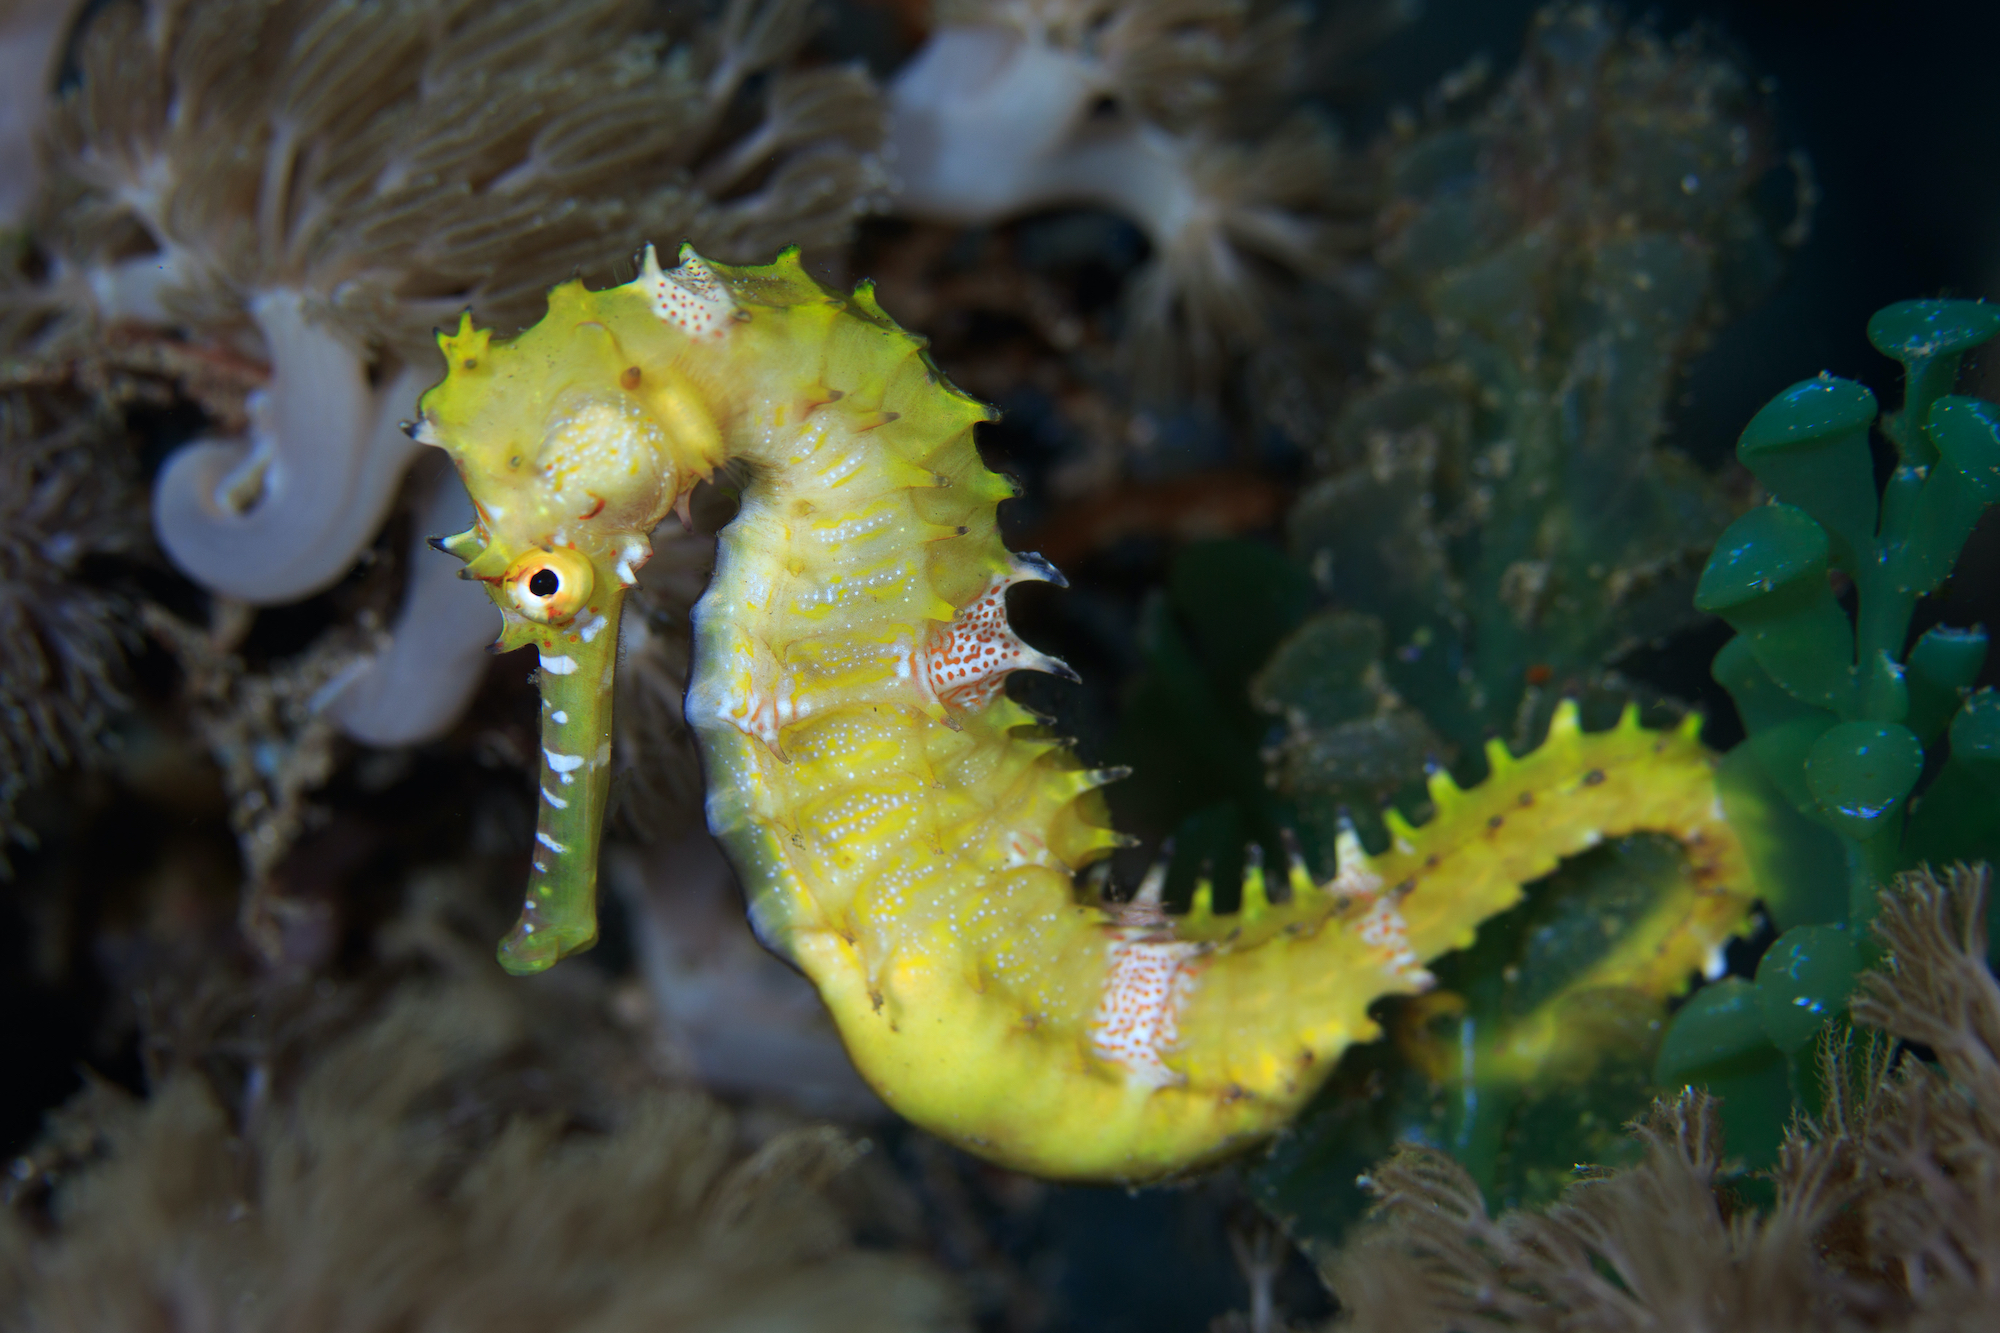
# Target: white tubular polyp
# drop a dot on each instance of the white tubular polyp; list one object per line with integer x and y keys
{"x": 974, "y": 115}
{"x": 986, "y": 124}
{"x": 284, "y": 514}
{"x": 416, "y": 688}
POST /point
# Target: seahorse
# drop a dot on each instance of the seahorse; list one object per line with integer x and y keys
{"x": 906, "y": 833}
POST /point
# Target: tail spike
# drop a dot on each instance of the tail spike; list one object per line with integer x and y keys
{"x": 1202, "y": 908}
{"x": 1256, "y": 893}
{"x": 1347, "y": 849}
{"x": 1038, "y": 717}
{"x": 1498, "y": 757}
{"x": 1443, "y": 790}
{"x": 1104, "y": 777}
{"x": 1297, "y": 877}
{"x": 1567, "y": 720}
{"x": 1353, "y": 876}
{"x": 1628, "y": 717}
{"x": 1152, "y": 889}
{"x": 1401, "y": 831}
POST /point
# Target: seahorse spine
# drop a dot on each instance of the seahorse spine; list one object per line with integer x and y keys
{"x": 906, "y": 833}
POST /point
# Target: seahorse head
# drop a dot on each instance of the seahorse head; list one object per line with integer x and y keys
{"x": 574, "y": 440}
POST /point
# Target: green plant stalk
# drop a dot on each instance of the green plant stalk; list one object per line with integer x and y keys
{"x": 1871, "y": 863}
{"x": 1922, "y": 531}
{"x": 1482, "y": 1116}
{"x": 1926, "y": 379}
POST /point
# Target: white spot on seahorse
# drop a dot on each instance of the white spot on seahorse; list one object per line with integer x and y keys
{"x": 540, "y": 869}
{"x": 689, "y": 297}
{"x": 562, "y": 764}
{"x": 1147, "y": 986}
{"x": 591, "y": 628}
{"x": 554, "y": 800}
{"x": 1354, "y": 879}
{"x": 558, "y": 666}
{"x": 559, "y": 717}
{"x": 751, "y": 714}
{"x": 631, "y": 557}
{"x": 1383, "y": 928}
{"x": 1025, "y": 849}
{"x": 549, "y": 842}
{"x": 966, "y": 662}
{"x": 752, "y": 685}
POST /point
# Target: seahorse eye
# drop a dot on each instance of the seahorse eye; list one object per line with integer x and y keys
{"x": 548, "y": 587}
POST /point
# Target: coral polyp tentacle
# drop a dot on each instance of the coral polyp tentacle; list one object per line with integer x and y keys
{"x": 904, "y": 831}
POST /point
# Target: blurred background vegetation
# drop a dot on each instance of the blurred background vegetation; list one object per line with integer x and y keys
{"x": 1456, "y": 462}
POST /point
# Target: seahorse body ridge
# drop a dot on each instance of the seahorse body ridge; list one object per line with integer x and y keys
{"x": 906, "y": 833}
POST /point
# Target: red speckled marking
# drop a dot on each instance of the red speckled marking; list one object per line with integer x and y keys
{"x": 967, "y": 662}
{"x": 1382, "y": 927}
{"x": 689, "y": 298}
{"x": 1151, "y": 977}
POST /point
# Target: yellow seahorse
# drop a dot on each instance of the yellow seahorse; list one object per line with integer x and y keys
{"x": 907, "y": 834}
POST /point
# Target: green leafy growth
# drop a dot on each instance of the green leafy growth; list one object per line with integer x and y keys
{"x": 1529, "y": 1057}
{"x": 1499, "y": 500}
{"x": 1845, "y": 714}
{"x": 1499, "y": 526}
{"x": 1879, "y": 1214}
{"x": 1351, "y": 744}
{"x": 1187, "y": 726}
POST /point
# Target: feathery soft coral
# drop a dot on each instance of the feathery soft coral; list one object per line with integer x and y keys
{"x": 318, "y": 183}
{"x": 432, "y": 1167}
{"x": 65, "y": 497}
{"x": 1183, "y": 118}
{"x": 1887, "y": 1209}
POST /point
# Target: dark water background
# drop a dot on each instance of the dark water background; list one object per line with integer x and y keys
{"x": 1898, "y": 108}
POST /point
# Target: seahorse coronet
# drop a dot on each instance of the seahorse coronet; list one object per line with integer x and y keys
{"x": 907, "y": 834}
